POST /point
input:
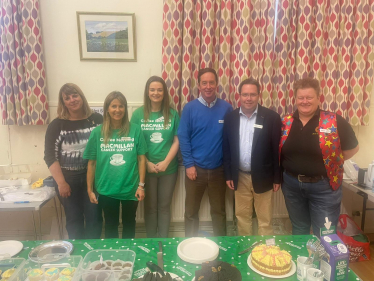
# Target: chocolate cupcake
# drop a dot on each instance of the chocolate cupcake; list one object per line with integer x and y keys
{"x": 117, "y": 263}
{"x": 127, "y": 264}
{"x": 102, "y": 276}
{"x": 124, "y": 277}
{"x": 89, "y": 277}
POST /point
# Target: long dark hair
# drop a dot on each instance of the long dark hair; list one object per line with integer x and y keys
{"x": 165, "y": 106}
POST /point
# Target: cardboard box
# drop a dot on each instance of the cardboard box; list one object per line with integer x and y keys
{"x": 335, "y": 264}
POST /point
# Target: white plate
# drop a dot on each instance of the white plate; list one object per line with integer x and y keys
{"x": 291, "y": 272}
{"x": 197, "y": 250}
{"x": 10, "y": 247}
{"x": 173, "y": 275}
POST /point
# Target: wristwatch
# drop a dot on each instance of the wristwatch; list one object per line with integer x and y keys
{"x": 141, "y": 184}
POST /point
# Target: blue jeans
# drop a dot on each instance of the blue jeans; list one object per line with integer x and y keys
{"x": 309, "y": 203}
{"x": 79, "y": 209}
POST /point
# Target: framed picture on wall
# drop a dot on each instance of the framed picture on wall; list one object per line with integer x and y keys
{"x": 106, "y": 36}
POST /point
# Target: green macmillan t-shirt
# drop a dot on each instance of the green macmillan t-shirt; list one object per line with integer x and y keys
{"x": 117, "y": 173}
{"x": 159, "y": 139}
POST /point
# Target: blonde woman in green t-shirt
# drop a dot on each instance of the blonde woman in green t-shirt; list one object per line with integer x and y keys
{"x": 116, "y": 167}
{"x": 159, "y": 124}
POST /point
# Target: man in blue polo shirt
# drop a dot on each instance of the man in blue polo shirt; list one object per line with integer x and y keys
{"x": 200, "y": 136}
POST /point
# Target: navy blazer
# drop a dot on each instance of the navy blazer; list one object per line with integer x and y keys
{"x": 265, "y": 169}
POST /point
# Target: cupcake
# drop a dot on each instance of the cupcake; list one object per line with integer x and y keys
{"x": 124, "y": 277}
{"x": 102, "y": 276}
{"x": 108, "y": 262}
{"x": 64, "y": 278}
{"x": 117, "y": 263}
{"x": 97, "y": 265}
{"x": 127, "y": 264}
{"x": 8, "y": 273}
{"x": 35, "y": 274}
{"x": 127, "y": 270}
{"x": 89, "y": 277}
{"x": 68, "y": 271}
{"x": 52, "y": 274}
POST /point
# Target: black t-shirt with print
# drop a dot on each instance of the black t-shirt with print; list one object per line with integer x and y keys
{"x": 65, "y": 141}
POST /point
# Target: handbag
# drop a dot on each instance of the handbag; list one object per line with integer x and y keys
{"x": 354, "y": 238}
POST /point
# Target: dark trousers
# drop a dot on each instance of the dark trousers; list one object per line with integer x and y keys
{"x": 308, "y": 204}
{"x": 111, "y": 210}
{"x": 78, "y": 209}
{"x": 214, "y": 181}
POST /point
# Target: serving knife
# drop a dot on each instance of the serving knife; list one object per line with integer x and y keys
{"x": 160, "y": 258}
{"x": 155, "y": 268}
{"x": 250, "y": 248}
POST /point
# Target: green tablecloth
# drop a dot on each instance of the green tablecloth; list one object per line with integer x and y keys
{"x": 146, "y": 250}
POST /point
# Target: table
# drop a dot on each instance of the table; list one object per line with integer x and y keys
{"x": 32, "y": 206}
{"x": 146, "y": 250}
{"x": 366, "y": 194}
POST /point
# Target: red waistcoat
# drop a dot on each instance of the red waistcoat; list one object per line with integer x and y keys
{"x": 329, "y": 143}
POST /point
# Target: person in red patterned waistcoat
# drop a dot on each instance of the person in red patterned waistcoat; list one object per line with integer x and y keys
{"x": 313, "y": 147}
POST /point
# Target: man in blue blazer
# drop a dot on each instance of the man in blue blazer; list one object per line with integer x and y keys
{"x": 251, "y": 136}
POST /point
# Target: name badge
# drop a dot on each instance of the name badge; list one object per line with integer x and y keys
{"x": 327, "y": 131}
{"x": 221, "y": 121}
{"x": 257, "y": 126}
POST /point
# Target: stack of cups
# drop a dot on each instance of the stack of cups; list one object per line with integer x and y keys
{"x": 303, "y": 270}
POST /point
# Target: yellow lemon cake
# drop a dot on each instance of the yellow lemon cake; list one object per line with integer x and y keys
{"x": 271, "y": 260}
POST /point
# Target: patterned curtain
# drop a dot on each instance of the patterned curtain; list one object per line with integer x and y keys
{"x": 235, "y": 37}
{"x": 23, "y": 97}
{"x": 333, "y": 42}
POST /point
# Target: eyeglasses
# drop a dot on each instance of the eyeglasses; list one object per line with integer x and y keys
{"x": 249, "y": 95}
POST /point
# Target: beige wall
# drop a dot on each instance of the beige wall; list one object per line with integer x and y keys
{"x": 25, "y": 145}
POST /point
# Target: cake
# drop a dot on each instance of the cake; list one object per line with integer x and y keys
{"x": 217, "y": 270}
{"x": 35, "y": 274}
{"x": 271, "y": 260}
{"x": 52, "y": 274}
{"x": 68, "y": 271}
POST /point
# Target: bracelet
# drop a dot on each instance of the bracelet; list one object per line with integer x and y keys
{"x": 141, "y": 188}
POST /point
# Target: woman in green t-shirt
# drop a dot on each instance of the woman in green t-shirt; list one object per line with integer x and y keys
{"x": 159, "y": 124}
{"x": 116, "y": 152}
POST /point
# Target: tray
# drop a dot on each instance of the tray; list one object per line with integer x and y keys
{"x": 118, "y": 262}
{"x": 67, "y": 262}
{"x": 10, "y": 263}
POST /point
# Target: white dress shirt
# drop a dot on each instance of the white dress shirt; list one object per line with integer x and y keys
{"x": 246, "y": 132}
{"x": 201, "y": 99}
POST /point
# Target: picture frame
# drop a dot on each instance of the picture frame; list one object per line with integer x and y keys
{"x": 106, "y": 36}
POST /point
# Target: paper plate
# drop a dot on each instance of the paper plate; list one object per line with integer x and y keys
{"x": 173, "y": 275}
{"x": 290, "y": 273}
{"x": 10, "y": 247}
{"x": 197, "y": 250}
